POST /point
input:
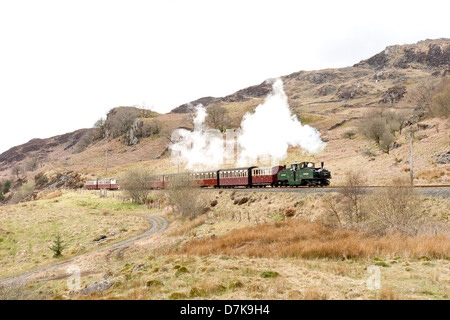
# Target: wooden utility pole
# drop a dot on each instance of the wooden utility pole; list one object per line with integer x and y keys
{"x": 411, "y": 158}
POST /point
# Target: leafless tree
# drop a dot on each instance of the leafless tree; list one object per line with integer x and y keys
{"x": 353, "y": 195}
{"x": 33, "y": 164}
{"x": 421, "y": 95}
{"x": 16, "y": 171}
{"x": 186, "y": 198}
{"x": 217, "y": 117}
{"x": 395, "y": 208}
{"x": 134, "y": 183}
{"x": 440, "y": 105}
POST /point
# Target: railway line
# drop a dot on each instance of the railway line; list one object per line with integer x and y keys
{"x": 425, "y": 190}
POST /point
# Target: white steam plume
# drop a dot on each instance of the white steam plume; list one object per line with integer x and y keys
{"x": 198, "y": 149}
{"x": 265, "y": 135}
{"x": 269, "y": 131}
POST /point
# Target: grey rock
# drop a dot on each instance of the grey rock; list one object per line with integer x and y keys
{"x": 96, "y": 287}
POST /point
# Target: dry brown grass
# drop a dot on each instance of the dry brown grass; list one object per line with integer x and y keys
{"x": 300, "y": 239}
{"x": 187, "y": 226}
{"x": 431, "y": 174}
{"x": 52, "y": 195}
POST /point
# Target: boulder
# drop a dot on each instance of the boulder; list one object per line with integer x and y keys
{"x": 96, "y": 287}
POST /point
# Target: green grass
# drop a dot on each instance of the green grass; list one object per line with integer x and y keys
{"x": 79, "y": 218}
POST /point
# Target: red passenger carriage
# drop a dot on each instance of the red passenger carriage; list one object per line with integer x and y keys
{"x": 91, "y": 184}
{"x": 265, "y": 176}
{"x": 235, "y": 177}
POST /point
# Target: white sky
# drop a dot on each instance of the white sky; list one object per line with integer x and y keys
{"x": 64, "y": 64}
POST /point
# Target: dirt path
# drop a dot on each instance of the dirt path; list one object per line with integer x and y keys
{"x": 159, "y": 224}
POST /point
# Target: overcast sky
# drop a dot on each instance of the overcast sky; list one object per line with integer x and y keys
{"x": 64, "y": 64}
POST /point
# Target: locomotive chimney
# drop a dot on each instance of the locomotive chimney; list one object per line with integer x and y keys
{"x": 321, "y": 164}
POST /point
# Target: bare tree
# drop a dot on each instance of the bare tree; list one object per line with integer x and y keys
{"x": 134, "y": 183}
{"x": 372, "y": 127}
{"x": 395, "y": 208}
{"x": 440, "y": 105}
{"x": 16, "y": 171}
{"x": 33, "y": 164}
{"x": 422, "y": 95}
{"x": 403, "y": 118}
{"x": 99, "y": 129}
{"x": 217, "y": 117}
{"x": 386, "y": 141}
{"x": 185, "y": 197}
{"x": 353, "y": 195}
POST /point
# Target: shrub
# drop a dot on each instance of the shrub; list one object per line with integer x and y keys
{"x": 181, "y": 270}
{"x": 57, "y": 246}
{"x": 134, "y": 184}
{"x": 177, "y": 296}
{"x": 440, "y": 105}
{"x": 349, "y": 134}
{"x": 185, "y": 197}
{"x": 395, "y": 208}
{"x": 270, "y": 274}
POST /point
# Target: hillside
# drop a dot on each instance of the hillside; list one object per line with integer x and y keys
{"x": 331, "y": 100}
{"x": 188, "y": 243}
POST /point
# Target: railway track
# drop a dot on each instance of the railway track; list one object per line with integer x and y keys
{"x": 159, "y": 224}
{"x": 425, "y": 190}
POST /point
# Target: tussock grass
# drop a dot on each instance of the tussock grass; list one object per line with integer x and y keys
{"x": 304, "y": 240}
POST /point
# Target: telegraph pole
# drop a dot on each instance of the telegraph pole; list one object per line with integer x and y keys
{"x": 411, "y": 158}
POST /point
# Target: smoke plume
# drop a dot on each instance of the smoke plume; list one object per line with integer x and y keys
{"x": 265, "y": 135}
{"x": 269, "y": 131}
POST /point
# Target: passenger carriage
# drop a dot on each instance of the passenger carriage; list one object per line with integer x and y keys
{"x": 205, "y": 178}
{"x": 235, "y": 177}
{"x": 91, "y": 184}
{"x": 115, "y": 184}
{"x": 156, "y": 182}
{"x": 104, "y": 183}
{"x": 266, "y": 176}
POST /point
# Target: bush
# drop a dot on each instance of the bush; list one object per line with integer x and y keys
{"x": 440, "y": 105}
{"x": 186, "y": 198}
{"x": 6, "y": 186}
{"x": 270, "y": 274}
{"x": 381, "y": 125}
{"x": 395, "y": 209}
{"x": 57, "y": 246}
{"x": 25, "y": 191}
{"x": 349, "y": 134}
{"x": 134, "y": 184}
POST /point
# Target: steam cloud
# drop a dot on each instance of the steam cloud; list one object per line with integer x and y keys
{"x": 265, "y": 135}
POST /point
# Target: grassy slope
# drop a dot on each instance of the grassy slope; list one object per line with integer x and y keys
{"x": 168, "y": 273}
{"x": 27, "y": 230}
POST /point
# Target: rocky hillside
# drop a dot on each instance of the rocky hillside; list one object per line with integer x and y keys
{"x": 332, "y": 100}
{"x": 376, "y": 79}
{"x": 41, "y": 150}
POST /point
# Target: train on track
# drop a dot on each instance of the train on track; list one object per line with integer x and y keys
{"x": 299, "y": 174}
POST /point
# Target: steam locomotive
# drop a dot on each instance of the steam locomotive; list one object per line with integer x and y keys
{"x": 299, "y": 174}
